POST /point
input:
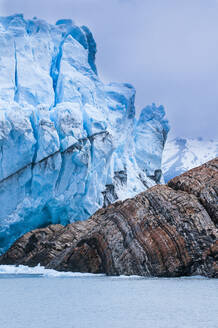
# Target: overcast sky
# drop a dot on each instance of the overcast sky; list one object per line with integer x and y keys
{"x": 168, "y": 49}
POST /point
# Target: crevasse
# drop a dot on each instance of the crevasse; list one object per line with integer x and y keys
{"x": 69, "y": 144}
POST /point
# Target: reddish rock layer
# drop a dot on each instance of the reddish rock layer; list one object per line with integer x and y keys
{"x": 165, "y": 231}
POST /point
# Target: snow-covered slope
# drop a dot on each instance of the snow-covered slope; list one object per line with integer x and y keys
{"x": 68, "y": 143}
{"x": 182, "y": 154}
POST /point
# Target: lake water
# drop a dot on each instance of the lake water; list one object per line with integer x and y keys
{"x": 39, "y": 298}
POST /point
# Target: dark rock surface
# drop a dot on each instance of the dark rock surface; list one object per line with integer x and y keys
{"x": 166, "y": 231}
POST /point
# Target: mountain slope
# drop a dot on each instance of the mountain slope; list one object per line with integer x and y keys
{"x": 183, "y": 154}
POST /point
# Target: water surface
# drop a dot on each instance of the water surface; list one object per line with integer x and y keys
{"x": 42, "y": 299}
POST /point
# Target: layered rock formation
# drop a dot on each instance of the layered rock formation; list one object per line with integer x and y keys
{"x": 168, "y": 230}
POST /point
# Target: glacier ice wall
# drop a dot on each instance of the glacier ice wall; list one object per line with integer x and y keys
{"x": 69, "y": 144}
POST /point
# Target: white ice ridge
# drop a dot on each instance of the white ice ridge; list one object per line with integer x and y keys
{"x": 69, "y": 144}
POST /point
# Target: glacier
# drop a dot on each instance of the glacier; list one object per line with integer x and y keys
{"x": 69, "y": 144}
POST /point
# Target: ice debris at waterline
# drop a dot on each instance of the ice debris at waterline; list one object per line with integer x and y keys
{"x": 7, "y": 271}
{"x": 69, "y": 144}
{"x": 23, "y": 270}
{"x": 40, "y": 271}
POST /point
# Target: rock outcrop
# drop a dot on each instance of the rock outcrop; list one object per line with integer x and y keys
{"x": 168, "y": 230}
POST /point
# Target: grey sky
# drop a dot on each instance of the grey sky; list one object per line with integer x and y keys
{"x": 168, "y": 49}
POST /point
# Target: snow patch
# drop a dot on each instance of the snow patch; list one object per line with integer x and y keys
{"x": 181, "y": 155}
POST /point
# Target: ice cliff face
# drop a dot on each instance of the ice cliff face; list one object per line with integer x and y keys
{"x": 181, "y": 155}
{"x": 68, "y": 143}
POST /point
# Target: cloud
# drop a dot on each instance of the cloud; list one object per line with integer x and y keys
{"x": 167, "y": 49}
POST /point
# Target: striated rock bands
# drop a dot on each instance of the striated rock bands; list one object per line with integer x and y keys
{"x": 202, "y": 182}
{"x": 168, "y": 230}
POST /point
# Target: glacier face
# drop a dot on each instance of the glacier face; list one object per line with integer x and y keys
{"x": 69, "y": 144}
{"x": 183, "y": 154}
